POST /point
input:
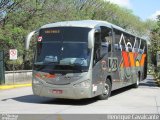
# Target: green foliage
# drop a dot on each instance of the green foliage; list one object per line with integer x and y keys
{"x": 18, "y": 64}
{"x": 24, "y": 16}
{"x": 155, "y": 41}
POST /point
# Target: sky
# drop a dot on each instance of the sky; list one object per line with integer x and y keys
{"x": 145, "y": 9}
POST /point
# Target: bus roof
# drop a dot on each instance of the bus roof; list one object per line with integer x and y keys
{"x": 86, "y": 23}
{"x": 82, "y": 23}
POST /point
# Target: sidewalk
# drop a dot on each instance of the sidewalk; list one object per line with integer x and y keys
{"x": 4, "y": 87}
{"x": 16, "y": 79}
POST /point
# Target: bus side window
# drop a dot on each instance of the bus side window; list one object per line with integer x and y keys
{"x": 106, "y": 37}
{"x": 102, "y": 43}
{"x": 117, "y": 47}
{"x": 109, "y": 48}
{"x": 97, "y": 47}
{"x": 136, "y": 46}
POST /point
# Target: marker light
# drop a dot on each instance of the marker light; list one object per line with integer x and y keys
{"x": 39, "y": 38}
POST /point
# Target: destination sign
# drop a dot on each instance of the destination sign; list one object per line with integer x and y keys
{"x": 52, "y": 31}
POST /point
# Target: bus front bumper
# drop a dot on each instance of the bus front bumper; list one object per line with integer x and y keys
{"x": 62, "y": 91}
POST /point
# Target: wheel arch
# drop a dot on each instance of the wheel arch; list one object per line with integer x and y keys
{"x": 139, "y": 75}
{"x": 110, "y": 78}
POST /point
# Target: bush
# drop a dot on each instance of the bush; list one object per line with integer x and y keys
{"x": 14, "y": 64}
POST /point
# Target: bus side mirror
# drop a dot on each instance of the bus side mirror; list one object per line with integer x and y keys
{"x": 28, "y": 39}
{"x": 91, "y": 39}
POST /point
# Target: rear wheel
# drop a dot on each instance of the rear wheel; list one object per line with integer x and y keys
{"x": 136, "y": 85}
{"x": 106, "y": 91}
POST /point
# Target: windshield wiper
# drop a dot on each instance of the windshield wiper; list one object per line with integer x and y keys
{"x": 44, "y": 63}
{"x": 51, "y": 62}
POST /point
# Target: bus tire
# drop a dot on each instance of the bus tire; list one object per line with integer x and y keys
{"x": 136, "y": 85}
{"x": 107, "y": 90}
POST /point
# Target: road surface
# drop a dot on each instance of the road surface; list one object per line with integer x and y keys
{"x": 145, "y": 99}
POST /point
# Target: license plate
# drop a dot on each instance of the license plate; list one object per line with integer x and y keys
{"x": 57, "y": 91}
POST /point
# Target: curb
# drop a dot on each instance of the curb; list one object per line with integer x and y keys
{"x": 5, "y": 87}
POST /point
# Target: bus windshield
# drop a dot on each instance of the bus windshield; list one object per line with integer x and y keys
{"x": 65, "y": 48}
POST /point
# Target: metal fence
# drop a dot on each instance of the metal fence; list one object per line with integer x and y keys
{"x": 2, "y": 76}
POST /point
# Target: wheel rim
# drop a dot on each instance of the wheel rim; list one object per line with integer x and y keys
{"x": 106, "y": 89}
{"x": 137, "y": 81}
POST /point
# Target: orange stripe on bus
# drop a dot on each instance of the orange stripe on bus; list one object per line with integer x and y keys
{"x": 122, "y": 64}
{"x": 132, "y": 60}
{"x": 142, "y": 60}
{"x": 125, "y": 59}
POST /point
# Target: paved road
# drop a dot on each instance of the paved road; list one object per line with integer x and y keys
{"x": 145, "y": 99}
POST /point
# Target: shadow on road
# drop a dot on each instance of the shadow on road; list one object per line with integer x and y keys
{"x": 149, "y": 82}
{"x": 50, "y": 101}
{"x": 121, "y": 90}
{"x": 43, "y": 100}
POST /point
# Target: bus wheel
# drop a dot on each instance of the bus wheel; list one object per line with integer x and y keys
{"x": 107, "y": 90}
{"x": 137, "y": 82}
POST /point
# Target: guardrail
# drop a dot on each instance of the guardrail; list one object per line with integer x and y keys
{"x": 18, "y": 77}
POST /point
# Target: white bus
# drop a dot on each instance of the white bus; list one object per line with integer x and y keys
{"x": 85, "y": 59}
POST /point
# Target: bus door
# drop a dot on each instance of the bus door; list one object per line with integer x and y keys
{"x": 96, "y": 74}
{"x": 102, "y": 49}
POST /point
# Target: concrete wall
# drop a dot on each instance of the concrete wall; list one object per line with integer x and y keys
{"x": 18, "y": 77}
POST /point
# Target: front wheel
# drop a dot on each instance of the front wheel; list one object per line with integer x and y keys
{"x": 106, "y": 91}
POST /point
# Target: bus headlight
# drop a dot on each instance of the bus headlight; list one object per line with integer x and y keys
{"x": 36, "y": 82}
{"x": 85, "y": 84}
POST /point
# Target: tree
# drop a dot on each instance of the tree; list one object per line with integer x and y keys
{"x": 155, "y": 40}
{"x": 22, "y": 16}
{"x": 15, "y": 26}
